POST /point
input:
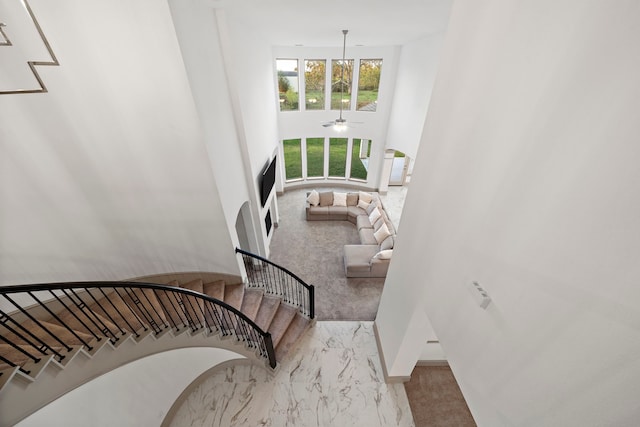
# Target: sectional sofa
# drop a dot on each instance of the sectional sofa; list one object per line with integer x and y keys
{"x": 376, "y": 231}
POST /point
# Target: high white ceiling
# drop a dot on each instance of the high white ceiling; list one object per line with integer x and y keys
{"x": 320, "y": 22}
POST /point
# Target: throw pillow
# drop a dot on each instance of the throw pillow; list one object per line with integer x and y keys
{"x": 373, "y": 216}
{"x": 384, "y": 254}
{"x": 387, "y": 243}
{"x": 326, "y": 198}
{"x": 378, "y": 224}
{"x": 314, "y": 198}
{"x": 365, "y": 197}
{"x": 363, "y": 205}
{"x": 339, "y": 199}
{"x": 352, "y": 199}
{"x": 382, "y": 233}
{"x": 371, "y": 207}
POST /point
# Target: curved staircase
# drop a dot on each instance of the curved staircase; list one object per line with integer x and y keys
{"x": 62, "y": 335}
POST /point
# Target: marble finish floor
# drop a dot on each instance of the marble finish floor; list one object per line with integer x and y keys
{"x": 333, "y": 377}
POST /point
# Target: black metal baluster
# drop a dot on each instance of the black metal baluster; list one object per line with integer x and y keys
{"x": 23, "y": 311}
{"x": 88, "y": 291}
{"x": 118, "y": 311}
{"x": 142, "y": 324}
{"x": 164, "y": 309}
{"x": 106, "y": 330}
{"x": 154, "y": 309}
{"x": 21, "y": 350}
{"x": 43, "y": 347}
{"x": 169, "y": 294}
{"x": 131, "y": 292}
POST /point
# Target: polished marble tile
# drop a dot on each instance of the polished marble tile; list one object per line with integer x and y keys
{"x": 332, "y": 377}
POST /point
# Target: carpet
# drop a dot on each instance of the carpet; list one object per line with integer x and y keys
{"x": 435, "y": 398}
{"x": 313, "y": 250}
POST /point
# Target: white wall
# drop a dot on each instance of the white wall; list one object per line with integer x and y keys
{"x": 198, "y": 34}
{"x": 137, "y": 394}
{"x": 417, "y": 67}
{"x": 528, "y": 174}
{"x": 106, "y": 176}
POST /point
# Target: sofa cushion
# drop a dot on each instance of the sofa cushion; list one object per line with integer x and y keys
{"x": 339, "y": 199}
{"x": 319, "y": 210}
{"x": 355, "y": 211}
{"x": 370, "y": 208}
{"x": 378, "y": 224}
{"x": 381, "y": 234}
{"x": 364, "y": 205}
{"x": 366, "y": 197}
{"x": 313, "y": 198}
{"x": 386, "y": 254}
{"x": 352, "y": 199}
{"x": 338, "y": 212}
{"x": 362, "y": 221}
{"x": 374, "y": 215}
{"x": 387, "y": 243}
{"x": 367, "y": 237}
{"x": 326, "y": 198}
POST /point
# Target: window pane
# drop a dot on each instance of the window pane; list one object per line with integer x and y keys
{"x": 341, "y": 85}
{"x": 287, "y": 83}
{"x": 337, "y": 157}
{"x": 292, "y": 158}
{"x": 314, "y": 79}
{"x": 368, "y": 83}
{"x": 315, "y": 157}
{"x": 359, "y": 159}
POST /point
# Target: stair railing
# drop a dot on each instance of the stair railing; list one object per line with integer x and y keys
{"x": 278, "y": 281}
{"x": 112, "y": 310}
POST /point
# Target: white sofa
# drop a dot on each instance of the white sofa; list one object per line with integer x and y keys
{"x": 372, "y": 256}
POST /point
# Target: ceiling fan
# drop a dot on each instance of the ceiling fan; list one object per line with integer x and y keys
{"x": 340, "y": 124}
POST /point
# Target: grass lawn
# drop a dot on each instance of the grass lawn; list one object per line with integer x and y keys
{"x": 315, "y": 158}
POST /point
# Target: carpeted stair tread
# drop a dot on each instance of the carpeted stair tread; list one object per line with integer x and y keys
{"x": 251, "y": 302}
{"x": 268, "y": 307}
{"x": 59, "y": 331}
{"x": 233, "y": 295}
{"x": 96, "y": 324}
{"x": 281, "y": 321}
{"x": 19, "y": 358}
{"x": 149, "y": 309}
{"x": 118, "y": 311}
{"x": 215, "y": 289}
{"x": 171, "y": 303}
{"x": 193, "y": 306}
{"x": 298, "y": 326}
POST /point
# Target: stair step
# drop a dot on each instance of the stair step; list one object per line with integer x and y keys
{"x": 281, "y": 321}
{"x": 268, "y": 307}
{"x": 194, "y": 307}
{"x": 215, "y": 289}
{"x": 171, "y": 306}
{"x": 233, "y": 295}
{"x": 16, "y": 356}
{"x": 122, "y": 315}
{"x": 59, "y": 331}
{"x": 85, "y": 322}
{"x": 251, "y": 303}
{"x": 295, "y": 330}
{"x": 148, "y": 308}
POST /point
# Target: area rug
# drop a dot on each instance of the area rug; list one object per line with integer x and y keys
{"x": 313, "y": 250}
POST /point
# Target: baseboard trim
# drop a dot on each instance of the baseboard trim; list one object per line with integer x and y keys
{"x": 388, "y": 379}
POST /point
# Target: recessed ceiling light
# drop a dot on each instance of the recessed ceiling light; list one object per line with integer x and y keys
{"x": 299, "y": 45}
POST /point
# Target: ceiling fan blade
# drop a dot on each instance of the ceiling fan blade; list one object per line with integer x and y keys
{"x": 328, "y": 124}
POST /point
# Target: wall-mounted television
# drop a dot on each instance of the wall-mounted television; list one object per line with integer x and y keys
{"x": 267, "y": 180}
